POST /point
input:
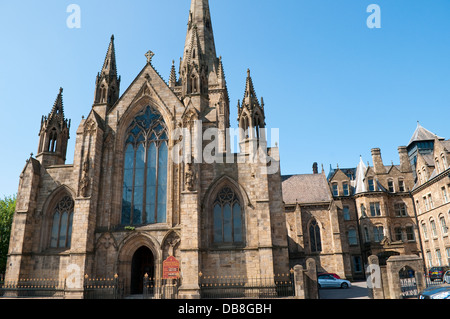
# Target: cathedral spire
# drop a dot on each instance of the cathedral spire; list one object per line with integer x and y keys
{"x": 107, "y": 82}
{"x": 200, "y": 23}
{"x": 109, "y": 66}
{"x": 57, "y": 111}
{"x": 199, "y": 65}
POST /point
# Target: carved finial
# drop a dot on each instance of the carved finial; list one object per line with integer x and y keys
{"x": 149, "y": 55}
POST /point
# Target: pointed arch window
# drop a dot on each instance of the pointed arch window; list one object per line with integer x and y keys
{"x": 61, "y": 234}
{"x": 144, "y": 199}
{"x": 314, "y": 236}
{"x": 227, "y": 218}
{"x": 53, "y": 137}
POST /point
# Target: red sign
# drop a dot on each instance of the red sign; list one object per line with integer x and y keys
{"x": 171, "y": 268}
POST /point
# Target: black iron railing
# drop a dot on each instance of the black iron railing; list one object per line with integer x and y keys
{"x": 33, "y": 288}
{"x": 160, "y": 288}
{"x": 103, "y": 288}
{"x": 220, "y": 287}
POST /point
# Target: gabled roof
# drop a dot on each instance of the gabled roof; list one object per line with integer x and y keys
{"x": 305, "y": 188}
{"x": 422, "y": 134}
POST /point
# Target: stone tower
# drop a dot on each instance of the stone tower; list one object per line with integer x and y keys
{"x": 202, "y": 86}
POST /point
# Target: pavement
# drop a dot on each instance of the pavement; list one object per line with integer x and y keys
{"x": 358, "y": 290}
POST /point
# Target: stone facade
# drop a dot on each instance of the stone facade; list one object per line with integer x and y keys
{"x": 220, "y": 215}
{"x": 374, "y": 210}
{"x": 72, "y": 216}
{"x": 431, "y": 196}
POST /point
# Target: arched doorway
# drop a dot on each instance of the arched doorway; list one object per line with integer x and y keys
{"x": 143, "y": 262}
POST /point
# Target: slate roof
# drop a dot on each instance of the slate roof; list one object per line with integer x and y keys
{"x": 446, "y": 144}
{"x": 305, "y": 188}
{"x": 422, "y": 134}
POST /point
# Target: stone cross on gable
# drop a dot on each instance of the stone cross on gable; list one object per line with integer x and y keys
{"x": 149, "y": 55}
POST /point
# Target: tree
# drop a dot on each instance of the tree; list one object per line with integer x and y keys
{"x": 7, "y": 208}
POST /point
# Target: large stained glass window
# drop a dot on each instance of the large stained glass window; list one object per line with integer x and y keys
{"x": 227, "y": 216}
{"x": 144, "y": 199}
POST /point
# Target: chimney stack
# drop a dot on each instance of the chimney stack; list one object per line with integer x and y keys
{"x": 315, "y": 168}
{"x": 405, "y": 164}
{"x": 378, "y": 165}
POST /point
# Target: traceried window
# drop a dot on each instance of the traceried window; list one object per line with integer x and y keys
{"x": 227, "y": 218}
{"x": 61, "y": 235}
{"x": 144, "y": 199}
{"x": 314, "y": 236}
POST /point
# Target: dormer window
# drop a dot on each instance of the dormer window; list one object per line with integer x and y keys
{"x": 371, "y": 185}
{"x": 401, "y": 185}
{"x": 391, "y": 186}
{"x": 335, "y": 189}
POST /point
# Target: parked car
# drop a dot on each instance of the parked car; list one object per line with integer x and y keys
{"x": 328, "y": 281}
{"x": 437, "y": 273}
{"x": 446, "y": 277}
{"x": 436, "y": 292}
{"x": 328, "y": 273}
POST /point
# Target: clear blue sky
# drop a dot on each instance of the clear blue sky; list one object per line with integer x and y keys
{"x": 334, "y": 87}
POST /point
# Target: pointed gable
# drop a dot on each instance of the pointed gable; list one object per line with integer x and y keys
{"x": 147, "y": 88}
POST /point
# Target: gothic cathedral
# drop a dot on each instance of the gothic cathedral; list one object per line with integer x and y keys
{"x": 146, "y": 184}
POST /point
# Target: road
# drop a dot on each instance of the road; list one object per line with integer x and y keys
{"x": 357, "y": 291}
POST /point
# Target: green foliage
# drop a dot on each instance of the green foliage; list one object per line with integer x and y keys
{"x": 7, "y": 208}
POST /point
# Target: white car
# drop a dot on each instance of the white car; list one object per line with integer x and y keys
{"x": 446, "y": 277}
{"x": 328, "y": 281}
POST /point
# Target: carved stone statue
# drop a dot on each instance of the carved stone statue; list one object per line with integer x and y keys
{"x": 189, "y": 177}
